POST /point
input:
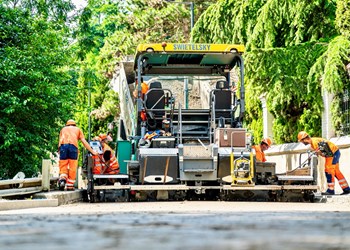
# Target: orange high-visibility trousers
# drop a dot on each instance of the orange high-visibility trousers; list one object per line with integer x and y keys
{"x": 332, "y": 172}
{"x": 102, "y": 167}
{"x": 68, "y": 171}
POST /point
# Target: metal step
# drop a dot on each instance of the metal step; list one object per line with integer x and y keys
{"x": 196, "y": 170}
{"x": 159, "y": 187}
{"x": 189, "y": 158}
{"x": 192, "y": 122}
{"x": 110, "y": 176}
{"x": 270, "y": 187}
{"x": 295, "y": 178}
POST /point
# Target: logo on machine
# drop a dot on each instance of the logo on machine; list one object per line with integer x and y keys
{"x": 183, "y": 46}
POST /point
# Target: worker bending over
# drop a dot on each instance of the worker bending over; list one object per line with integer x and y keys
{"x": 331, "y": 153}
{"x": 68, "y": 150}
{"x": 105, "y": 163}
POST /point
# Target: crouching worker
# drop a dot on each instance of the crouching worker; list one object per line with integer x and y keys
{"x": 265, "y": 144}
{"x": 105, "y": 163}
{"x": 68, "y": 150}
{"x": 331, "y": 153}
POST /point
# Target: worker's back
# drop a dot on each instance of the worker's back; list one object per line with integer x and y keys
{"x": 70, "y": 135}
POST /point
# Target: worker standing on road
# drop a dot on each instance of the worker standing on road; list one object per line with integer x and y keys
{"x": 259, "y": 149}
{"x": 68, "y": 150}
{"x": 331, "y": 153}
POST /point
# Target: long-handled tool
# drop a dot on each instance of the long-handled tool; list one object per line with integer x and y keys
{"x": 311, "y": 154}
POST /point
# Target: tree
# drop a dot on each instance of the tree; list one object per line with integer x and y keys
{"x": 291, "y": 45}
{"x": 37, "y": 90}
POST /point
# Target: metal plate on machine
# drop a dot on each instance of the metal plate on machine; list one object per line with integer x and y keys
{"x": 153, "y": 168}
{"x": 300, "y": 187}
{"x": 158, "y": 151}
{"x": 158, "y": 179}
{"x": 262, "y": 167}
{"x": 258, "y": 187}
{"x": 295, "y": 178}
{"x": 227, "y": 178}
{"x": 236, "y": 151}
{"x": 227, "y": 137}
{"x": 197, "y": 152}
{"x": 114, "y": 187}
{"x": 163, "y": 142}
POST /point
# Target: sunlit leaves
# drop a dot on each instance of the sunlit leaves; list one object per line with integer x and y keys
{"x": 343, "y": 17}
{"x": 296, "y": 58}
{"x": 35, "y": 83}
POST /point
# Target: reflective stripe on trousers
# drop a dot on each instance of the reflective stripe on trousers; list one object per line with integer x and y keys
{"x": 68, "y": 170}
{"x": 332, "y": 171}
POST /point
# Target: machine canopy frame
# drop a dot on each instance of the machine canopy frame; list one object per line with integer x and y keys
{"x": 187, "y": 59}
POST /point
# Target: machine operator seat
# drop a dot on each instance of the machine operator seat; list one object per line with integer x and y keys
{"x": 222, "y": 101}
{"x": 155, "y": 99}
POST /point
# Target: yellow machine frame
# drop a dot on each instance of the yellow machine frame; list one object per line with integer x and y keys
{"x": 238, "y": 180}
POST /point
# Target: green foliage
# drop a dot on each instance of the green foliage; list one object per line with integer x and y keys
{"x": 280, "y": 75}
{"x": 227, "y": 22}
{"x": 330, "y": 72}
{"x": 266, "y": 23}
{"x": 36, "y": 91}
{"x": 54, "y": 11}
{"x": 284, "y": 23}
{"x": 293, "y": 37}
{"x": 343, "y": 17}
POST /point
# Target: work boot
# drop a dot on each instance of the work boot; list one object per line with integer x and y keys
{"x": 345, "y": 191}
{"x": 61, "y": 184}
{"x": 328, "y": 192}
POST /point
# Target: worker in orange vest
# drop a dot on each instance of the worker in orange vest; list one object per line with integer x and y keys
{"x": 107, "y": 162}
{"x": 68, "y": 150}
{"x": 331, "y": 153}
{"x": 259, "y": 149}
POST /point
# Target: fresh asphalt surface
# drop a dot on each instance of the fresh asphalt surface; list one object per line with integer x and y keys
{"x": 178, "y": 225}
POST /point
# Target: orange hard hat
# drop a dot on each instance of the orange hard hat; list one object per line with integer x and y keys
{"x": 103, "y": 136}
{"x": 267, "y": 141}
{"x": 302, "y": 135}
{"x": 71, "y": 122}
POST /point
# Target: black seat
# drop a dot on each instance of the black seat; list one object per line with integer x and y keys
{"x": 155, "y": 98}
{"x": 221, "y": 99}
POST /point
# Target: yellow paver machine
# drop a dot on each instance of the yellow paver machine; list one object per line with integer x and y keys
{"x": 186, "y": 131}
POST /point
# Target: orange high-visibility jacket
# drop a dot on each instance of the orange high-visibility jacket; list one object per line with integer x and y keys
{"x": 260, "y": 155}
{"x": 70, "y": 135}
{"x": 103, "y": 167}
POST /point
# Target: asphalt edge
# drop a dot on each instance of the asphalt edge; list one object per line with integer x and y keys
{"x": 63, "y": 197}
{"x": 44, "y": 199}
{"x": 22, "y": 204}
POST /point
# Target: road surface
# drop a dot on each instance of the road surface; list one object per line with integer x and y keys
{"x": 178, "y": 225}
